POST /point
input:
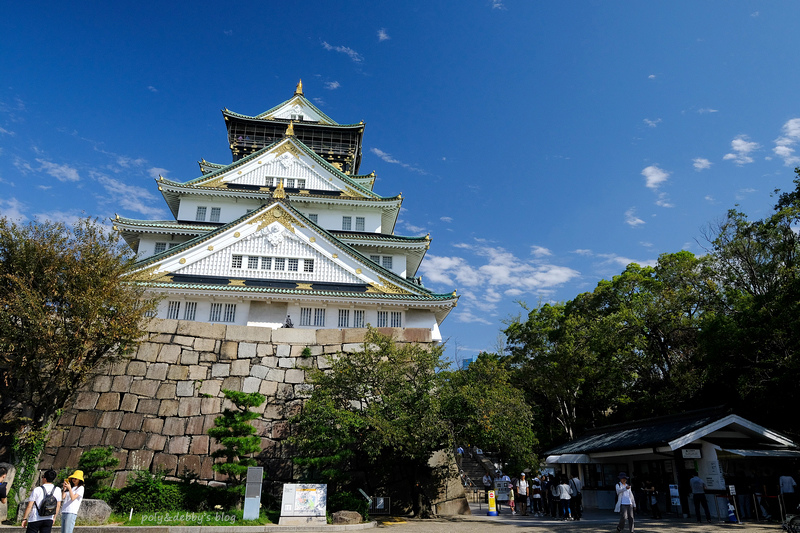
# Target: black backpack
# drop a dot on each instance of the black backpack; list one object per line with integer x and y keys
{"x": 49, "y": 503}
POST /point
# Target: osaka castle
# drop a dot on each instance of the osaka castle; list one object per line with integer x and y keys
{"x": 289, "y": 234}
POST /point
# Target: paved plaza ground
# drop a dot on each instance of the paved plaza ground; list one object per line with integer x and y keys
{"x": 593, "y": 521}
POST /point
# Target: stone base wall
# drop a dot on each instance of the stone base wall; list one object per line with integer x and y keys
{"x": 156, "y": 405}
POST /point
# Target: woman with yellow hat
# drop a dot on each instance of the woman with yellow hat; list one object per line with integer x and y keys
{"x": 73, "y": 496}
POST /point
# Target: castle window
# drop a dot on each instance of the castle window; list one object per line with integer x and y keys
{"x": 358, "y": 318}
{"x": 396, "y": 319}
{"x": 280, "y": 263}
{"x": 236, "y": 261}
{"x": 266, "y": 263}
{"x": 359, "y": 223}
{"x": 301, "y": 184}
{"x": 383, "y": 319}
{"x": 215, "y": 211}
{"x": 375, "y": 258}
{"x": 160, "y": 247}
{"x": 173, "y": 310}
{"x": 347, "y": 223}
{"x": 190, "y": 311}
{"x": 305, "y": 316}
{"x": 292, "y": 265}
{"x": 313, "y": 217}
{"x": 289, "y": 183}
{"x": 220, "y": 313}
{"x": 308, "y": 265}
{"x": 387, "y": 262}
{"x": 252, "y": 262}
{"x": 230, "y": 313}
{"x": 200, "y": 216}
{"x": 344, "y": 318}
{"x": 319, "y": 317}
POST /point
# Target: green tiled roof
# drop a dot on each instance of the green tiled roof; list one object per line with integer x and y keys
{"x": 166, "y": 224}
{"x": 306, "y": 101}
{"x": 376, "y": 236}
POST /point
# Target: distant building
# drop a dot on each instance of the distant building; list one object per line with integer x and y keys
{"x": 287, "y": 235}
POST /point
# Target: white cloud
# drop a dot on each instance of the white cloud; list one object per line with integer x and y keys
{"x": 319, "y": 101}
{"x": 389, "y": 159}
{"x": 7, "y": 132}
{"x": 332, "y": 85}
{"x": 701, "y": 163}
{"x": 742, "y": 148}
{"x": 651, "y": 77}
{"x": 654, "y": 176}
{"x": 446, "y": 219}
{"x": 12, "y": 209}
{"x": 705, "y": 110}
{"x": 60, "y": 172}
{"x": 382, "y": 35}
{"x": 631, "y": 219}
{"x": 349, "y": 52}
{"x": 625, "y": 261}
{"x": 152, "y": 89}
{"x": 663, "y": 200}
{"x": 582, "y": 251}
{"x": 783, "y": 145}
{"x": 709, "y": 198}
{"x": 129, "y": 197}
{"x": 652, "y": 123}
{"x": 155, "y": 172}
{"x": 66, "y": 218}
{"x": 498, "y": 4}
{"x": 540, "y": 251}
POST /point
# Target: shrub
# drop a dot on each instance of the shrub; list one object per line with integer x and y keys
{"x": 98, "y": 466}
{"x": 147, "y": 492}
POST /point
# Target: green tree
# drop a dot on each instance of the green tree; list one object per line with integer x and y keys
{"x": 485, "y": 409}
{"x": 98, "y": 466}
{"x": 381, "y": 405}
{"x": 232, "y": 429}
{"x": 66, "y": 308}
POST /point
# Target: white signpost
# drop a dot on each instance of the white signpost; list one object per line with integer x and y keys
{"x": 303, "y": 503}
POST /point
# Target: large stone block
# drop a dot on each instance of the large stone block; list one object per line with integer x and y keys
{"x": 280, "y": 430}
{"x": 110, "y": 419}
{"x": 114, "y": 437}
{"x": 61, "y": 459}
{"x": 174, "y": 426}
{"x": 156, "y": 442}
{"x": 153, "y": 425}
{"x": 188, "y": 463}
{"x": 209, "y": 357}
{"x": 185, "y": 388}
{"x": 283, "y": 350}
{"x": 94, "y": 512}
{"x": 268, "y": 388}
{"x": 247, "y": 350}
{"x": 157, "y": 371}
{"x": 161, "y": 338}
{"x": 298, "y": 350}
{"x": 276, "y": 374}
{"x": 209, "y": 406}
{"x": 220, "y": 370}
{"x": 120, "y": 367}
{"x": 199, "y": 445}
{"x": 329, "y": 336}
{"x": 292, "y": 408}
{"x": 168, "y": 408}
{"x": 91, "y": 437}
{"x": 251, "y": 384}
{"x": 295, "y": 376}
{"x": 248, "y": 334}
{"x": 201, "y": 329}
{"x": 294, "y": 336}
{"x": 166, "y": 462}
{"x": 166, "y": 390}
{"x": 148, "y": 406}
{"x": 189, "y": 357}
{"x": 285, "y": 392}
{"x": 145, "y": 387}
{"x": 177, "y": 372}
{"x": 72, "y": 437}
{"x": 264, "y": 350}
{"x": 304, "y": 362}
{"x": 162, "y": 325}
{"x": 303, "y": 390}
{"x": 121, "y": 383}
{"x": 286, "y": 362}
{"x": 129, "y": 403}
{"x": 229, "y": 351}
{"x": 204, "y": 345}
{"x": 194, "y": 425}
{"x": 137, "y": 368}
{"x": 183, "y": 340}
{"x": 240, "y": 367}
{"x": 86, "y": 400}
{"x": 131, "y": 422}
{"x": 134, "y": 440}
{"x": 87, "y": 419}
{"x": 179, "y": 445}
{"x": 420, "y": 335}
{"x": 148, "y": 352}
{"x": 189, "y": 406}
{"x": 101, "y": 383}
{"x": 259, "y": 371}
{"x": 354, "y": 335}
{"x": 170, "y": 353}
{"x": 108, "y": 401}
{"x": 232, "y": 383}
{"x": 324, "y": 362}
{"x": 197, "y": 372}
{"x": 56, "y": 438}
{"x": 273, "y": 411}
{"x": 211, "y": 387}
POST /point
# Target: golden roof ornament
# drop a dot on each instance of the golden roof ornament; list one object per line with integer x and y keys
{"x": 299, "y": 89}
{"x": 290, "y": 129}
{"x": 279, "y": 190}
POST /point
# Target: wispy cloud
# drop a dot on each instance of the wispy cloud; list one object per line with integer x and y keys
{"x": 7, "y": 132}
{"x": 497, "y": 4}
{"x": 663, "y": 200}
{"x": 152, "y": 89}
{"x": 332, "y": 85}
{"x": 705, "y": 110}
{"x": 155, "y": 172}
{"x": 12, "y": 209}
{"x": 623, "y": 261}
{"x": 631, "y": 219}
{"x": 349, "y": 52}
{"x": 651, "y": 77}
{"x": 742, "y": 148}
{"x": 783, "y": 145}
{"x": 382, "y": 35}
{"x": 60, "y": 172}
{"x": 389, "y": 159}
{"x": 652, "y": 123}
{"x": 128, "y": 197}
{"x": 654, "y": 176}
{"x": 701, "y": 163}
{"x": 446, "y": 219}
{"x": 540, "y": 251}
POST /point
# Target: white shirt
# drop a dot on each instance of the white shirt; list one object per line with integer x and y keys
{"x": 37, "y": 496}
{"x": 70, "y": 505}
{"x": 522, "y": 487}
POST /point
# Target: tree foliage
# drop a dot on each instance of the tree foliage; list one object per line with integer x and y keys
{"x": 66, "y": 307}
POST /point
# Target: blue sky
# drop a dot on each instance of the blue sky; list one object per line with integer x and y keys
{"x": 544, "y": 145}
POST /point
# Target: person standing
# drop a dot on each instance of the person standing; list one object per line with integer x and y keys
{"x": 699, "y": 496}
{"x": 536, "y": 497}
{"x": 564, "y": 498}
{"x": 73, "y": 497}
{"x": 3, "y": 485}
{"x": 31, "y": 521}
{"x": 522, "y": 495}
{"x": 576, "y": 486}
{"x": 487, "y": 486}
{"x": 788, "y": 486}
{"x": 626, "y": 503}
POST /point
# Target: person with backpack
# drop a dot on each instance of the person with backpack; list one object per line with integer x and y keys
{"x": 43, "y": 505}
{"x": 73, "y": 497}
